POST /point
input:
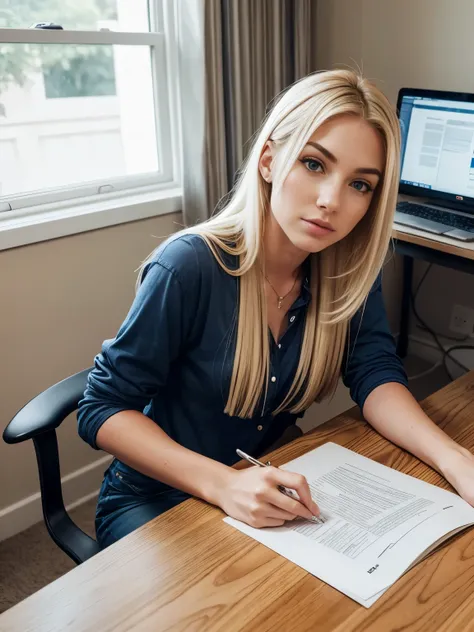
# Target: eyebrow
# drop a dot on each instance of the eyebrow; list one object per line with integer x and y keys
{"x": 332, "y": 158}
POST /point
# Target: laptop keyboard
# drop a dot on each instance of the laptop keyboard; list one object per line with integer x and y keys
{"x": 436, "y": 215}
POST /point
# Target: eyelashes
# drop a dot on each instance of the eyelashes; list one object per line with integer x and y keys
{"x": 314, "y": 165}
{"x": 318, "y": 163}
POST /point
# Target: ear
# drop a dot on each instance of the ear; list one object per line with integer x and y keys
{"x": 265, "y": 162}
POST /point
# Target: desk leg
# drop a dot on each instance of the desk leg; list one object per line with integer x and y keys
{"x": 402, "y": 347}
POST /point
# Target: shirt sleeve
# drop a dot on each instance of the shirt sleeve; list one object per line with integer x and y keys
{"x": 371, "y": 358}
{"x": 133, "y": 366}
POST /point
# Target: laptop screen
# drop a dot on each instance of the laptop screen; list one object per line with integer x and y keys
{"x": 437, "y": 145}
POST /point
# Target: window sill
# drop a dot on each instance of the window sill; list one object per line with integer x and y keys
{"x": 22, "y": 227}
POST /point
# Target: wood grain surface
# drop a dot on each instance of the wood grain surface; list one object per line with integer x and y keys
{"x": 440, "y": 243}
{"x": 188, "y": 571}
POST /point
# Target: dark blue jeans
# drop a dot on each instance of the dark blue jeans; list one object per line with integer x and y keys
{"x": 127, "y": 500}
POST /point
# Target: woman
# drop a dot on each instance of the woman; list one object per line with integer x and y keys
{"x": 240, "y": 323}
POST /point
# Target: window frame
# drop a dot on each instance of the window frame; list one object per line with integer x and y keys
{"x": 162, "y": 43}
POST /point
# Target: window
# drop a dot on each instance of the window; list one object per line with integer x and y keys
{"x": 86, "y": 105}
{"x": 83, "y": 75}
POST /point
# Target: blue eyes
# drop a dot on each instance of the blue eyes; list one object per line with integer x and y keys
{"x": 312, "y": 164}
{"x": 361, "y": 186}
{"x": 315, "y": 166}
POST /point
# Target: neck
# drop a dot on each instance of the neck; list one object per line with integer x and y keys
{"x": 282, "y": 259}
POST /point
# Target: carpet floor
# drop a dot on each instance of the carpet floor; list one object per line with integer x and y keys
{"x": 30, "y": 560}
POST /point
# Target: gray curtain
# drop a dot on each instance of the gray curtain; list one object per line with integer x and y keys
{"x": 235, "y": 57}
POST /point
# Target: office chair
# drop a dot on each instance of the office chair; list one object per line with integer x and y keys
{"x": 38, "y": 420}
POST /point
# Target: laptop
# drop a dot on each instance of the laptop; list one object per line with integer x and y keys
{"x": 437, "y": 163}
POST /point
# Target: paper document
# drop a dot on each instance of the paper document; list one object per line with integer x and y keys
{"x": 379, "y": 522}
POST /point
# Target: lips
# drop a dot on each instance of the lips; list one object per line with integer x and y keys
{"x": 320, "y": 223}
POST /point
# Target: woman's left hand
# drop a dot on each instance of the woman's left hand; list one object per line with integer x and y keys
{"x": 458, "y": 469}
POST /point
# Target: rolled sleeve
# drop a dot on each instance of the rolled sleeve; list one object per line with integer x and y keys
{"x": 133, "y": 366}
{"x": 371, "y": 358}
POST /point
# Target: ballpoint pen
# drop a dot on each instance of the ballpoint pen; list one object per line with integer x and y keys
{"x": 284, "y": 490}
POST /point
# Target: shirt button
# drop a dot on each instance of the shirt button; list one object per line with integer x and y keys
{"x": 279, "y": 346}
{"x": 259, "y": 427}
{"x": 292, "y": 319}
{"x": 274, "y": 379}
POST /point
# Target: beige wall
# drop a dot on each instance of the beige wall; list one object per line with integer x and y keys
{"x": 59, "y": 300}
{"x": 417, "y": 43}
{"x": 414, "y": 43}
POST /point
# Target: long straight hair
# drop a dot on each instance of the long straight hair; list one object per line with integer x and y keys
{"x": 341, "y": 275}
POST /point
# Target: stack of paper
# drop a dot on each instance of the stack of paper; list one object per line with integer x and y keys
{"x": 379, "y": 522}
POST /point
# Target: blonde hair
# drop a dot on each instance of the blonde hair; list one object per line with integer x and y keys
{"x": 341, "y": 275}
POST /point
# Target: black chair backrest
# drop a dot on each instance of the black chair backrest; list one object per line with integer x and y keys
{"x": 38, "y": 421}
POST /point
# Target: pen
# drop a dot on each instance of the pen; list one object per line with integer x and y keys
{"x": 284, "y": 490}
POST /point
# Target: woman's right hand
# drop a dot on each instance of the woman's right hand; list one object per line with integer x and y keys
{"x": 252, "y": 496}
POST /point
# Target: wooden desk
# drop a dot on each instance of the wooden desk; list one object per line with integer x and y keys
{"x": 417, "y": 244}
{"x": 189, "y": 571}
{"x": 464, "y": 250}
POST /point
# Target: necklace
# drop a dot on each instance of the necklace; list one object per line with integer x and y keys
{"x": 282, "y": 298}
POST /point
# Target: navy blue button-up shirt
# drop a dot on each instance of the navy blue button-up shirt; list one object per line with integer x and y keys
{"x": 172, "y": 358}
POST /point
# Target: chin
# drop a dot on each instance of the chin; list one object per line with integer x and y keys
{"x": 311, "y": 245}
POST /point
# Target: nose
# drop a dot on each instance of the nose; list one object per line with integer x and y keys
{"x": 328, "y": 196}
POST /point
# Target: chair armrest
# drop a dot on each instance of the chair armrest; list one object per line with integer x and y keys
{"x": 67, "y": 535}
{"x": 46, "y": 411}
